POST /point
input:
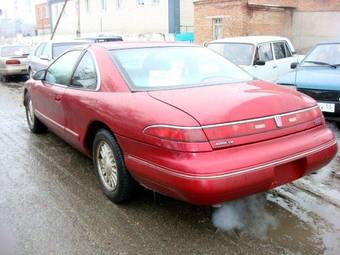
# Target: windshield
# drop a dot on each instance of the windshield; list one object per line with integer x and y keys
{"x": 14, "y": 51}
{"x": 323, "y": 54}
{"x": 175, "y": 67}
{"x": 238, "y": 53}
{"x": 60, "y": 48}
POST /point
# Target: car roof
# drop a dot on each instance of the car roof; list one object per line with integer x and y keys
{"x": 252, "y": 39}
{"x": 329, "y": 42}
{"x": 66, "y": 41}
{"x": 129, "y": 45}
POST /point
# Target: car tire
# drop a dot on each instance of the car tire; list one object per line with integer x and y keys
{"x": 3, "y": 78}
{"x": 34, "y": 124}
{"x": 337, "y": 125}
{"x": 115, "y": 180}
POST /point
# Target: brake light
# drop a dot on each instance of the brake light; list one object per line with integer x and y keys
{"x": 178, "y": 134}
{"x": 12, "y": 62}
{"x": 253, "y": 130}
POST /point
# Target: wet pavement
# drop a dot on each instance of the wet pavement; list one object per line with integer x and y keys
{"x": 50, "y": 203}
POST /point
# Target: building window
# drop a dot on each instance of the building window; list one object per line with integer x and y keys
{"x": 217, "y": 28}
{"x": 104, "y": 5}
{"x": 140, "y": 2}
{"x": 119, "y": 4}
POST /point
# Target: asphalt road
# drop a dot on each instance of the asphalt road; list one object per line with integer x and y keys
{"x": 50, "y": 203}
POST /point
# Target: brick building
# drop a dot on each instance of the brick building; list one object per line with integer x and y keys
{"x": 42, "y": 18}
{"x": 305, "y": 22}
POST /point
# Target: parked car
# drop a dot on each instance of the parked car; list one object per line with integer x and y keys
{"x": 13, "y": 60}
{"x": 179, "y": 119}
{"x": 318, "y": 76}
{"x": 104, "y": 38}
{"x": 265, "y": 57}
{"x": 46, "y": 52}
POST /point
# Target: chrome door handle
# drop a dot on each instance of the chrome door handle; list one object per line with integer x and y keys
{"x": 274, "y": 67}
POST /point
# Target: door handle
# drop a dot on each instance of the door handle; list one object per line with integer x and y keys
{"x": 57, "y": 97}
{"x": 274, "y": 67}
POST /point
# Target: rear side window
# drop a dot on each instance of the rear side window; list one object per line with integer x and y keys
{"x": 281, "y": 50}
{"x": 265, "y": 52}
{"x": 60, "y": 48}
{"x": 39, "y": 50}
{"x": 60, "y": 71}
{"x": 85, "y": 75}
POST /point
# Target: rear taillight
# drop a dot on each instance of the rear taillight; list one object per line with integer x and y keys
{"x": 178, "y": 134}
{"x": 248, "y": 131}
{"x": 187, "y": 139}
{"x": 12, "y": 62}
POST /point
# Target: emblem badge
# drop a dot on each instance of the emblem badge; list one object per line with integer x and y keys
{"x": 278, "y": 121}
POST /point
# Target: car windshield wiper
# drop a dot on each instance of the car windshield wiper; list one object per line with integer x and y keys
{"x": 322, "y": 63}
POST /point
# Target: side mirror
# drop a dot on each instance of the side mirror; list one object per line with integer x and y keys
{"x": 205, "y": 44}
{"x": 293, "y": 65}
{"x": 259, "y": 62}
{"x": 40, "y": 75}
{"x": 294, "y": 52}
{"x": 44, "y": 57}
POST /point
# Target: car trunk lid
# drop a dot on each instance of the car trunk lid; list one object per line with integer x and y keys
{"x": 235, "y": 114}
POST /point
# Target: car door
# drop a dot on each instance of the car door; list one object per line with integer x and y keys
{"x": 283, "y": 57}
{"x": 35, "y": 58}
{"x": 269, "y": 71}
{"x": 48, "y": 97}
{"x": 80, "y": 98}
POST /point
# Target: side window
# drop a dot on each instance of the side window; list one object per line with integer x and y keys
{"x": 265, "y": 52}
{"x": 46, "y": 51}
{"x": 288, "y": 52}
{"x": 217, "y": 47}
{"x": 85, "y": 75}
{"x": 39, "y": 50}
{"x": 279, "y": 49}
{"x": 61, "y": 70}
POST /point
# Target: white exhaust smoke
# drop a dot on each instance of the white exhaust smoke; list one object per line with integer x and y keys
{"x": 247, "y": 215}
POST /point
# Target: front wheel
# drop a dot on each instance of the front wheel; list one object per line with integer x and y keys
{"x": 114, "y": 179}
{"x": 35, "y": 125}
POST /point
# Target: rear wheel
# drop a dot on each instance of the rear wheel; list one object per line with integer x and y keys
{"x": 114, "y": 179}
{"x": 35, "y": 125}
{"x": 3, "y": 78}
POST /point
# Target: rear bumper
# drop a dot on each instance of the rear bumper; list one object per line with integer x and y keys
{"x": 14, "y": 70}
{"x": 214, "y": 177}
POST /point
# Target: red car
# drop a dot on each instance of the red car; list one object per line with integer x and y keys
{"x": 178, "y": 119}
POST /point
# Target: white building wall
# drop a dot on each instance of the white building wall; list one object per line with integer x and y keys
{"x": 68, "y": 21}
{"x": 187, "y": 15}
{"x": 310, "y": 28}
{"x": 128, "y": 18}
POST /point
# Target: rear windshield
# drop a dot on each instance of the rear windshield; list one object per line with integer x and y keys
{"x": 60, "y": 48}
{"x": 238, "y": 53}
{"x": 14, "y": 51}
{"x": 175, "y": 67}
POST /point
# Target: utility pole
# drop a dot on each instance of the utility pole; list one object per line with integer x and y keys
{"x": 59, "y": 17}
{"x": 78, "y": 16}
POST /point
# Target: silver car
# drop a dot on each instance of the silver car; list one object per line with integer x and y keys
{"x": 13, "y": 60}
{"x": 46, "y": 52}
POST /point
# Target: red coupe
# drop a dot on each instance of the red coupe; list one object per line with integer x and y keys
{"x": 178, "y": 119}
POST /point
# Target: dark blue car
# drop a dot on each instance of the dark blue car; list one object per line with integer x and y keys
{"x": 318, "y": 76}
